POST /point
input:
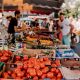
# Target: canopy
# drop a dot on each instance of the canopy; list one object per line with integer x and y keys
{"x": 48, "y": 3}
{"x": 38, "y": 6}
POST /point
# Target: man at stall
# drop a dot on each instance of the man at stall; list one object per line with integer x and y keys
{"x": 78, "y": 27}
{"x": 67, "y": 29}
{"x": 13, "y": 27}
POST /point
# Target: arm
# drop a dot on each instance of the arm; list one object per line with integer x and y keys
{"x": 71, "y": 28}
{"x": 16, "y": 29}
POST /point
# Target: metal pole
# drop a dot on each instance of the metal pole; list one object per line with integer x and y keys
{"x": 2, "y": 22}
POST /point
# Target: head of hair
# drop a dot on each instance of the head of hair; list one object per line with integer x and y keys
{"x": 8, "y": 17}
{"x": 17, "y": 12}
{"x": 61, "y": 14}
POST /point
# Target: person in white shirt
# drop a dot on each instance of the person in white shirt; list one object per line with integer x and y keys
{"x": 66, "y": 29}
{"x": 78, "y": 24}
{"x": 78, "y": 28}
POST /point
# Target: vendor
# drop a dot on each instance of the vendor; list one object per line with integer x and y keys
{"x": 12, "y": 28}
{"x": 66, "y": 29}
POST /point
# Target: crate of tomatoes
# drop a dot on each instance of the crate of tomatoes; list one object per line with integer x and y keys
{"x": 6, "y": 56}
{"x": 33, "y": 69}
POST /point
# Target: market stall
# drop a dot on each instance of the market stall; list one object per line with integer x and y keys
{"x": 38, "y": 53}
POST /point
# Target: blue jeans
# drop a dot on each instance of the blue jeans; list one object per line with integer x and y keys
{"x": 66, "y": 40}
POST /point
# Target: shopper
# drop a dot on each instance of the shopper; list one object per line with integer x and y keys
{"x": 51, "y": 25}
{"x": 66, "y": 29}
{"x": 13, "y": 27}
{"x": 78, "y": 27}
{"x": 7, "y": 21}
{"x": 58, "y": 30}
{"x": 44, "y": 23}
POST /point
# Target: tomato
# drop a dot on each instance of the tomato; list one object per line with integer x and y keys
{"x": 32, "y": 59}
{"x": 42, "y": 65}
{"x": 4, "y": 58}
{"x": 58, "y": 79}
{"x": 25, "y": 58}
{"x": 35, "y": 78}
{"x": 54, "y": 78}
{"x": 18, "y": 58}
{"x": 20, "y": 74}
{"x": 57, "y": 71}
{"x": 17, "y": 70}
{"x": 9, "y": 72}
{"x": 13, "y": 75}
{"x": 41, "y": 59}
{"x": 20, "y": 67}
{"x": 59, "y": 75}
{"x": 18, "y": 78}
{"x": 1, "y": 54}
{"x": 43, "y": 76}
{"x": 30, "y": 65}
{"x": 45, "y": 58}
{"x": 37, "y": 67}
{"x": 25, "y": 66}
{"x": 47, "y": 62}
{"x": 5, "y": 75}
{"x": 31, "y": 71}
{"x": 39, "y": 73}
{"x": 50, "y": 75}
{"x": 57, "y": 62}
{"x": 45, "y": 70}
{"x": 54, "y": 65}
{"x": 53, "y": 69}
{"x": 28, "y": 76}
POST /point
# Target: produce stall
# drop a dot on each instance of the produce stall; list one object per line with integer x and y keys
{"x": 43, "y": 68}
{"x": 37, "y": 55}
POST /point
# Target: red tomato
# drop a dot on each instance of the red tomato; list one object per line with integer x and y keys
{"x": 20, "y": 67}
{"x": 37, "y": 67}
{"x": 18, "y": 78}
{"x": 18, "y": 58}
{"x": 5, "y": 75}
{"x": 59, "y": 75}
{"x": 45, "y": 58}
{"x": 30, "y": 65}
{"x": 58, "y": 79}
{"x": 4, "y": 58}
{"x": 50, "y": 75}
{"x": 47, "y": 62}
{"x": 57, "y": 71}
{"x": 9, "y": 72}
{"x": 20, "y": 74}
{"x": 13, "y": 75}
{"x": 54, "y": 65}
{"x": 43, "y": 76}
{"x": 32, "y": 72}
{"x": 25, "y": 58}
{"x": 53, "y": 69}
{"x": 17, "y": 70}
{"x": 25, "y": 66}
{"x": 58, "y": 62}
{"x": 28, "y": 76}
{"x": 35, "y": 78}
{"x": 41, "y": 59}
{"x": 45, "y": 70}
{"x": 39, "y": 73}
{"x": 54, "y": 78}
{"x": 1, "y": 54}
{"x": 42, "y": 65}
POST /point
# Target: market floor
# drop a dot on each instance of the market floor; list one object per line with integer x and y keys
{"x": 77, "y": 49}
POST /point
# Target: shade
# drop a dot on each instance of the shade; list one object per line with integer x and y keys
{"x": 46, "y": 6}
